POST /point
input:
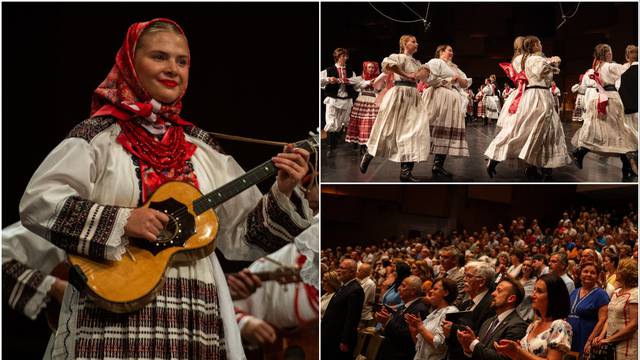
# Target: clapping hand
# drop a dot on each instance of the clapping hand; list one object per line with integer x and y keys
{"x": 383, "y": 316}
{"x": 466, "y": 337}
{"x": 412, "y": 320}
{"x": 509, "y": 348}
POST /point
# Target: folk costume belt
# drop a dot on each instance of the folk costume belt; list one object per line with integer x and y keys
{"x": 610, "y": 88}
{"x": 536, "y": 87}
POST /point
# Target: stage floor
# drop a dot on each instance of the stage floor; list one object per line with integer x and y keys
{"x": 343, "y": 165}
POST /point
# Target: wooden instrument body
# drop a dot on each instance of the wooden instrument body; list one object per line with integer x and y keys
{"x": 129, "y": 284}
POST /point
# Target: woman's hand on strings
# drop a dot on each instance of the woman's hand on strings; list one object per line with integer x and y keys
{"x": 293, "y": 165}
{"x": 145, "y": 223}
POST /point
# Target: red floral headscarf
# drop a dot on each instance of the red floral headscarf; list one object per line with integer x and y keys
{"x": 366, "y": 75}
{"x": 122, "y": 96}
{"x": 122, "y": 89}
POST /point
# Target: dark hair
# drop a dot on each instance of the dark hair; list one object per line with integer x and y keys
{"x": 516, "y": 288}
{"x": 403, "y": 270}
{"x": 557, "y": 297}
{"x": 540, "y": 257}
{"x": 519, "y": 254}
{"x": 451, "y": 288}
{"x": 613, "y": 258}
{"x": 386, "y": 262}
{"x": 339, "y": 51}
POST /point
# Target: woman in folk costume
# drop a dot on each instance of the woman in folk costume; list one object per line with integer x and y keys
{"x": 578, "y": 108}
{"x": 491, "y": 99}
{"x": 401, "y": 130}
{"x": 87, "y": 194}
{"x": 555, "y": 91}
{"x": 479, "y": 98}
{"x": 514, "y": 73}
{"x": 445, "y": 104}
{"x": 364, "y": 110}
{"x": 536, "y": 135}
{"x": 605, "y": 129}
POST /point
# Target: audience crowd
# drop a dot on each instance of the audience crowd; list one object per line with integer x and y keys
{"x": 520, "y": 291}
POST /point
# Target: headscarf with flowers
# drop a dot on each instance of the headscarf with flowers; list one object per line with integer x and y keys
{"x": 151, "y": 131}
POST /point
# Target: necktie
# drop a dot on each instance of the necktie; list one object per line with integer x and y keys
{"x": 401, "y": 309}
{"x": 466, "y": 305}
{"x": 490, "y": 330}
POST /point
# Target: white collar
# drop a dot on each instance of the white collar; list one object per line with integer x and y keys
{"x": 476, "y": 299}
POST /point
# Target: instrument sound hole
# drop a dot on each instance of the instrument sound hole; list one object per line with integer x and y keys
{"x": 169, "y": 232}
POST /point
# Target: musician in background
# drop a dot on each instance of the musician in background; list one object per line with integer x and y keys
{"x": 27, "y": 263}
{"x": 87, "y": 196}
{"x": 284, "y": 311}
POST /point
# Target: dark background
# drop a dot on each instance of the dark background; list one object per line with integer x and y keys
{"x": 353, "y": 214}
{"x": 254, "y": 73}
{"x": 481, "y": 34}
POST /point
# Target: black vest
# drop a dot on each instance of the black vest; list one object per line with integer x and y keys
{"x": 629, "y": 90}
{"x": 332, "y": 89}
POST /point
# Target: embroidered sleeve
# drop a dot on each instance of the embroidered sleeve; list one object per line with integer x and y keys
{"x": 560, "y": 336}
{"x": 277, "y": 220}
{"x": 55, "y": 204}
{"x": 25, "y": 289}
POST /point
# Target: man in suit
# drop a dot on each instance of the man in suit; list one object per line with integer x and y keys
{"x": 506, "y": 324}
{"x": 478, "y": 281}
{"x": 452, "y": 262}
{"x": 398, "y": 344}
{"x": 340, "y": 321}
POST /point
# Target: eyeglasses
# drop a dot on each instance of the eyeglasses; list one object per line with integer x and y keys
{"x": 469, "y": 276}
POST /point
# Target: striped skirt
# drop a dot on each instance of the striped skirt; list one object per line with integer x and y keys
{"x": 363, "y": 115}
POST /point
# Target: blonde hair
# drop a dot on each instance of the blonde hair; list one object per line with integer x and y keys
{"x": 631, "y": 53}
{"x": 600, "y": 55}
{"x": 403, "y": 40}
{"x": 159, "y": 26}
{"x": 518, "y": 43}
{"x": 628, "y": 272}
{"x": 332, "y": 280}
{"x": 528, "y": 46}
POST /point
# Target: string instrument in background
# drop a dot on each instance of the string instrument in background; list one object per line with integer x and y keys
{"x": 132, "y": 282}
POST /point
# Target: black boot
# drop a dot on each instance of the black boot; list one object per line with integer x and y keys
{"x": 364, "y": 163}
{"x": 578, "y": 155}
{"x": 546, "y": 174}
{"x": 531, "y": 173}
{"x": 491, "y": 168}
{"x": 633, "y": 161}
{"x": 438, "y": 169}
{"x": 627, "y": 171}
{"x": 405, "y": 172}
{"x": 486, "y": 121}
{"x": 363, "y": 150}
